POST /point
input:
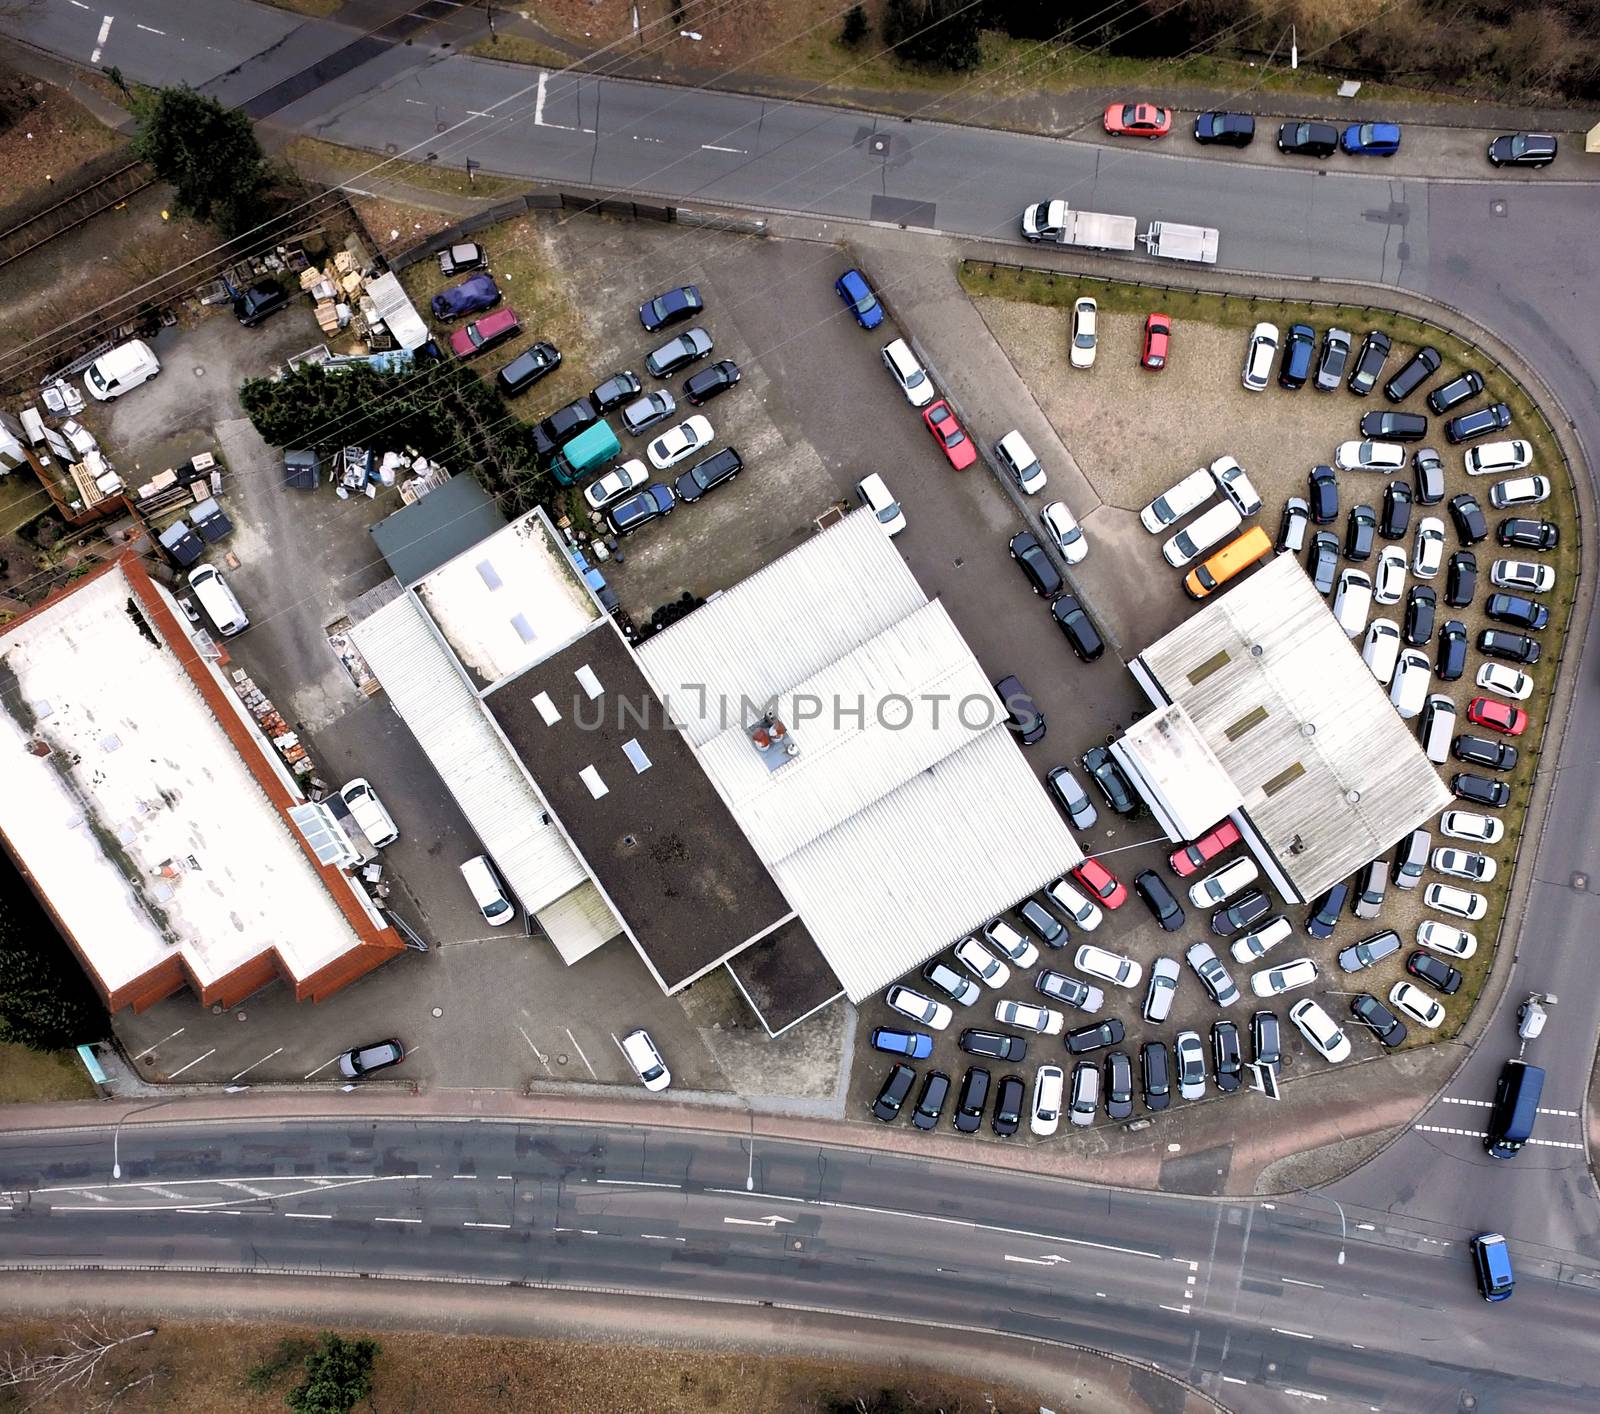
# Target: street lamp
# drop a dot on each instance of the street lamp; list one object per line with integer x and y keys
{"x": 1337, "y": 1204}
{"x": 116, "y": 1132}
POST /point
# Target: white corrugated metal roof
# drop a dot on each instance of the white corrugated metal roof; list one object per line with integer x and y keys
{"x": 578, "y": 922}
{"x": 445, "y": 717}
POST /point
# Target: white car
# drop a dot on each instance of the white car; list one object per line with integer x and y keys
{"x": 1522, "y": 576}
{"x": 1370, "y": 456}
{"x": 1048, "y": 1087}
{"x": 1519, "y": 491}
{"x": 1222, "y": 883}
{"x": 1417, "y": 1004}
{"x": 1505, "y": 680}
{"x": 1438, "y": 727}
{"x": 874, "y": 495}
{"x": 1085, "y": 315}
{"x": 982, "y": 963}
{"x": 1108, "y": 966}
{"x": 1409, "y": 688}
{"x": 1163, "y": 988}
{"x": 1191, "y": 1060}
{"x": 1083, "y": 912}
{"x": 1446, "y": 938}
{"x": 1204, "y": 531}
{"x": 1427, "y": 552}
{"x": 1497, "y": 458}
{"x": 1352, "y": 601}
{"x": 377, "y": 824}
{"x": 1389, "y": 581}
{"x": 616, "y": 484}
{"x": 1274, "y": 981}
{"x": 1257, "y": 944}
{"x": 1017, "y": 457}
{"x": 1326, "y": 1039}
{"x": 1176, "y": 502}
{"x": 1382, "y": 649}
{"x": 646, "y": 1060}
{"x": 1469, "y": 825}
{"x": 1062, "y": 527}
{"x": 1235, "y": 485}
{"x": 1260, "y": 356}
{"x": 1041, "y": 1020}
{"x": 684, "y": 440}
{"x": 1085, "y": 1093}
{"x": 908, "y": 373}
{"x": 1463, "y": 903}
{"x": 1465, "y": 864}
{"x": 922, "y": 1010}
{"x": 1008, "y": 942}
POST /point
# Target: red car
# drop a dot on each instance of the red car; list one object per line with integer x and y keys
{"x": 1101, "y": 882}
{"x": 1499, "y": 716}
{"x": 1138, "y": 120}
{"x": 1157, "y": 330}
{"x": 472, "y": 339}
{"x": 957, "y": 446}
{"x": 1187, "y": 858}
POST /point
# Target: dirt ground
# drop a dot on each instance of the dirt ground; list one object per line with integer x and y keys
{"x": 396, "y": 226}
{"x": 50, "y": 137}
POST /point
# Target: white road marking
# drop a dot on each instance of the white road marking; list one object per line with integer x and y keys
{"x": 770, "y": 1221}
{"x": 579, "y": 1050}
{"x": 81, "y": 1192}
{"x": 662, "y": 1237}
{"x": 1290, "y": 1281}
{"x": 253, "y": 1064}
{"x": 736, "y": 1193}
{"x": 638, "y": 137}
{"x": 80, "y": 4}
{"x": 1452, "y": 1100}
{"x": 100, "y": 42}
{"x": 163, "y": 1041}
{"x": 196, "y": 1061}
{"x": 159, "y": 1191}
{"x": 498, "y": 1225}
{"x": 1181, "y": 1310}
{"x": 588, "y": 1231}
{"x": 1049, "y": 1261}
{"x": 397, "y": 1220}
{"x": 478, "y": 113}
{"x": 321, "y": 1067}
{"x": 712, "y": 147}
{"x": 1566, "y": 1114}
{"x": 1443, "y": 1129}
{"x": 1556, "y": 1143}
{"x": 245, "y": 1188}
{"x": 317, "y": 1217}
{"x": 207, "y": 1212}
{"x": 636, "y": 1183}
{"x": 1230, "y": 1380}
{"x": 420, "y": 102}
{"x": 1298, "y": 1335}
{"x": 319, "y": 1186}
{"x": 463, "y": 1175}
{"x": 539, "y": 120}
{"x": 148, "y": 30}
{"x": 537, "y": 1052}
{"x": 1306, "y": 1394}
{"x": 1365, "y": 1227}
{"x": 506, "y": 1177}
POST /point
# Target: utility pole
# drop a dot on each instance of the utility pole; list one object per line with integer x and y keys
{"x": 488, "y": 9}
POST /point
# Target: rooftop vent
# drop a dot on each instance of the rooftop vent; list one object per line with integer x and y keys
{"x": 591, "y": 778}
{"x": 773, "y": 741}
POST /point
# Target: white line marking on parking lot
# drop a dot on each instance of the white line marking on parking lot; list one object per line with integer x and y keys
{"x": 1291, "y": 1281}
{"x": 80, "y": 4}
{"x": 163, "y": 1041}
{"x": 712, "y": 147}
{"x": 579, "y": 1050}
{"x": 100, "y": 42}
{"x": 315, "y": 1217}
{"x": 196, "y": 1061}
{"x": 320, "y": 1068}
{"x": 662, "y": 1237}
{"x": 397, "y": 1220}
{"x": 498, "y": 1225}
{"x": 641, "y": 1183}
{"x": 148, "y": 30}
{"x": 1298, "y": 1335}
{"x": 1365, "y": 1227}
{"x": 537, "y": 1052}
{"x": 253, "y": 1064}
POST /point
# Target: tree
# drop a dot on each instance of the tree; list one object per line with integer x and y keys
{"x": 338, "y": 1374}
{"x": 856, "y": 26}
{"x": 46, "y": 1001}
{"x": 75, "y": 1370}
{"x": 208, "y": 153}
{"x": 938, "y": 34}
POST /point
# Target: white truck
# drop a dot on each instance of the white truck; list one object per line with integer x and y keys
{"x": 1057, "y": 222}
{"x": 1171, "y": 241}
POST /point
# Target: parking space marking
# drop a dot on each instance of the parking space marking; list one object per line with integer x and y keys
{"x": 163, "y": 1041}
{"x": 321, "y": 1067}
{"x": 317, "y": 1217}
{"x": 1298, "y": 1335}
{"x": 397, "y": 1220}
{"x": 192, "y": 1064}
{"x": 712, "y": 147}
{"x": 496, "y": 1225}
{"x": 253, "y": 1064}
{"x": 579, "y": 1050}
{"x": 537, "y": 1052}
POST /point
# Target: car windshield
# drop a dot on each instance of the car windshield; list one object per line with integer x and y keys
{"x": 1084, "y": 339}
{"x": 1130, "y": 112}
{"x": 1365, "y": 133}
{"x": 889, "y": 512}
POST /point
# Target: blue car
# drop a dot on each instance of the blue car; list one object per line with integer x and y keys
{"x": 853, "y": 290}
{"x": 1371, "y": 139}
{"x": 638, "y": 511}
{"x": 475, "y": 293}
{"x": 916, "y": 1044}
{"x": 670, "y": 307}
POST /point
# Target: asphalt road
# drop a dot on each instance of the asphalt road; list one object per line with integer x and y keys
{"x": 1249, "y": 1301}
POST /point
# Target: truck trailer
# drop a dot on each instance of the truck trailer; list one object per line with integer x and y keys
{"x": 1171, "y": 241}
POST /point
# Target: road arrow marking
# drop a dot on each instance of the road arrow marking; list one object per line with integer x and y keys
{"x": 1046, "y": 1261}
{"x": 771, "y": 1220}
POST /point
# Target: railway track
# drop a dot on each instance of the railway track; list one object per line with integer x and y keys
{"x": 72, "y": 211}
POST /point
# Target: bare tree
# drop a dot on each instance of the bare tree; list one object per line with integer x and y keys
{"x": 88, "y": 1343}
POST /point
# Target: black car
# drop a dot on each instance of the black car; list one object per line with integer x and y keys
{"x": 1299, "y": 346}
{"x": 1386, "y": 1026}
{"x": 1009, "y": 1099}
{"x": 1100, "y": 764}
{"x": 1435, "y": 971}
{"x": 1394, "y": 426}
{"x": 1480, "y": 790}
{"x": 1330, "y": 365}
{"x": 1096, "y": 1036}
{"x": 893, "y": 1094}
{"x": 1360, "y": 533}
{"x": 259, "y": 302}
{"x": 1058, "y": 986}
{"x": 1326, "y": 910}
{"x": 930, "y": 1103}
{"x": 1308, "y": 139}
{"x": 1369, "y": 365}
{"x": 1477, "y": 423}
{"x": 1119, "y": 1086}
{"x": 1451, "y": 661}
{"x": 1372, "y": 882}
{"x": 1481, "y": 751}
{"x": 1322, "y": 561}
{"x": 1396, "y": 518}
{"x": 1461, "y": 579}
{"x": 1029, "y": 554}
{"x": 1052, "y": 932}
{"x": 615, "y": 391}
{"x": 1427, "y": 466}
{"x": 1421, "y": 602}
{"x": 1226, "y": 129}
{"x": 1266, "y": 1040}
{"x": 1322, "y": 490}
{"x": 1523, "y": 150}
{"x": 1513, "y": 647}
{"x": 1514, "y": 609}
{"x": 1240, "y": 914}
{"x": 527, "y": 368}
{"x": 1226, "y": 1062}
{"x": 1527, "y": 534}
{"x": 700, "y": 388}
{"x": 1369, "y": 951}
{"x": 992, "y": 1045}
{"x": 971, "y": 1099}
{"x": 721, "y": 466}
{"x": 1457, "y": 390}
{"x": 1420, "y": 367}
{"x": 566, "y": 422}
{"x": 1022, "y": 713}
{"x": 1073, "y": 620}
{"x": 671, "y": 307}
{"x": 1155, "y": 1075}
{"x": 1158, "y": 899}
{"x": 1467, "y": 516}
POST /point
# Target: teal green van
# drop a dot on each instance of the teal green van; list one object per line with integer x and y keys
{"x": 588, "y": 451}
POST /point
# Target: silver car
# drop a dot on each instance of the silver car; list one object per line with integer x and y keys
{"x": 645, "y": 412}
{"x": 1163, "y": 988}
{"x": 1191, "y": 1065}
{"x": 1085, "y": 1092}
{"x": 679, "y": 352}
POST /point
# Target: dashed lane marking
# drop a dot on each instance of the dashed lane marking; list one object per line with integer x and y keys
{"x": 1298, "y": 1335}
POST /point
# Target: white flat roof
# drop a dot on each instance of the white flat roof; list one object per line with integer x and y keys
{"x": 1190, "y": 785}
{"x": 143, "y": 826}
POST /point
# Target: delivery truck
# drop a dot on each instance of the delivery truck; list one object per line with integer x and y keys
{"x": 1055, "y": 221}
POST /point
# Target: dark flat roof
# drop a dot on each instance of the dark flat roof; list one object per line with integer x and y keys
{"x": 785, "y": 977}
{"x": 660, "y": 842}
{"x": 418, "y": 538}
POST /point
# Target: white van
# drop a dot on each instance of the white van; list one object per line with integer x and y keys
{"x": 1352, "y": 601}
{"x": 487, "y": 891}
{"x": 1017, "y": 457}
{"x": 1177, "y": 501}
{"x": 217, "y": 600}
{"x": 1438, "y": 728}
{"x": 908, "y": 373}
{"x": 1222, "y": 519}
{"x": 124, "y": 367}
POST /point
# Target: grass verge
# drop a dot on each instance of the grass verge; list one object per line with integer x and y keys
{"x": 519, "y": 49}
{"x": 34, "y": 1076}
{"x": 375, "y": 172}
{"x": 312, "y": 9}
